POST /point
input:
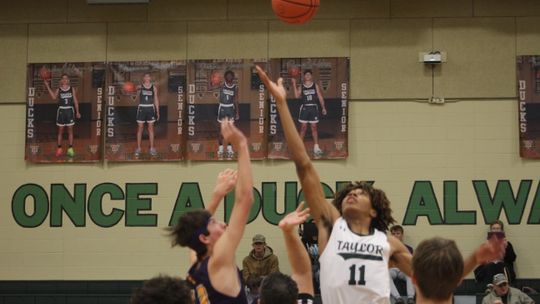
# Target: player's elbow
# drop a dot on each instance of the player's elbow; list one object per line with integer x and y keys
{"x": 303, "y": 166}
{"x": 246, "y": 196}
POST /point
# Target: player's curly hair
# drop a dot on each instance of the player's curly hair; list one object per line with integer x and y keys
{"x": 378, "y": 199}
{"x": 186, "y": 232}
{"x": 163, "y": 290}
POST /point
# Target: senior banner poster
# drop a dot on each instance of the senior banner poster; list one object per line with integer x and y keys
{"x": 145, "y": 105}
{"x": 317, "y": 96}
{"x": 64, "y": 112}
{"x": 528, "y": 83}
{"x": 224, "y": 89}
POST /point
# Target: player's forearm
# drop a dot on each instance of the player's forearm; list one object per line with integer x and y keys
{"x": 214, "y": 201}
{"x": 76, "y": 105}
{"x": 296, "y": 92}
{"x": 51, "y": 93}
{"x": 298, "y": 256}
{"x": 244, "y": 188}
{"x": 469, "y": 264}
{"x": 299, "y": 261}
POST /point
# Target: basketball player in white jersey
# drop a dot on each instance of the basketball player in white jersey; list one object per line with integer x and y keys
{"x": 68, "y": 109}
{"x": 311, "y": 95}
{"x": 353, "y": 244}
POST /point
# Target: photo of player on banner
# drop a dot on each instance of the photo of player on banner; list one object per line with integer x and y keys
{"x": 317, "y": 95}
{"x": 64, "y": 112}
{"x": 224, "y": 89}
{"x": 145, "y": 105}
{"x": 528, "y": 84}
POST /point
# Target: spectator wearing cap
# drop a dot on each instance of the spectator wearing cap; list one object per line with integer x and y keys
{"x": 261, "y": 261}
{"x": 502, "y": 293}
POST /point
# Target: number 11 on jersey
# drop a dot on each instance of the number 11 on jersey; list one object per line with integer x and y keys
{"x": 352, "y": 277}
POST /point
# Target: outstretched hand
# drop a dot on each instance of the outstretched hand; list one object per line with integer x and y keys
{"x": 276, "y": 89}
{"x": 231, "y": 133}
{"x": 226, "y": 181}
{"x": 491, "y": 250}
{"x": 294, "y": 218}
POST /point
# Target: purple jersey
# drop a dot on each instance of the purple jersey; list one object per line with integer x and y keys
{"x": 205, "y": 293}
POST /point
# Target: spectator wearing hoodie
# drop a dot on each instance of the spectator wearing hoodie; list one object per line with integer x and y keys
{"x": 261, "y": 261}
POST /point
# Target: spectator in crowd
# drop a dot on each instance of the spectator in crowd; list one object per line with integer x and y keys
{"x": 261, "y": 261}
{"x": 396, "y": 274}
{"x": 502, "y": 293}
{"x": 484, "y": 273}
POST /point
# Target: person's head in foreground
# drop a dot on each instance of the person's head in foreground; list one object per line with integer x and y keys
{"x": 163, "y": 290}
{"x": 362, "y": 200}
{"x": 278, "y": 288}
{"x": 437, "y": 267}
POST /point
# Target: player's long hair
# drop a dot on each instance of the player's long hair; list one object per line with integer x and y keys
{"x": 379, "y": 202}
{"x": 186, "y": 232}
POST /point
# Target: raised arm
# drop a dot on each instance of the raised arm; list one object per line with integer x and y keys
{"x": 400, "y": 255}
{"x": 223, "y": 256}
{"x": 492, "y": 249}
{"x": 296, "y": 90}
{"x": 226, "y": 181}
{"x": 323, "y": 213}
{"x": 298, "y": 256}
{"x": 53, "y": 94}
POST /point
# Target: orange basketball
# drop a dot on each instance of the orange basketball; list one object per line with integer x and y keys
{"x": 44, "y": 73}
{"x": 294, "y": 71}
{"x": 295, "y": 11}
{"x": 129, "y": 87}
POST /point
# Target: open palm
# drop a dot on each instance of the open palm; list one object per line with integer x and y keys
{"x": 276, "y": 89}
{"x": 294, "y": 218}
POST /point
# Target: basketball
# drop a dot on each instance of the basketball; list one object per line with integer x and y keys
{"x": 44, "y": 73}
{"x": 129, "y": 87}
{"x": 294, "y": 71}
{"x": 215, "y": 79}
{"x": 295, "y": 11}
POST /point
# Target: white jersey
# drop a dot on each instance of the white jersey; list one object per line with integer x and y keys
{"x": 354, "y": 268}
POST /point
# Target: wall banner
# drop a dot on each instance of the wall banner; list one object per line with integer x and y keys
{"x": 64, "y": 110}
{"x": 528, "y": 85}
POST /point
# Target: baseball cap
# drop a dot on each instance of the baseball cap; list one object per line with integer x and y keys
{"x": 259, "y": 238}
{"x": 499, "y": 278}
